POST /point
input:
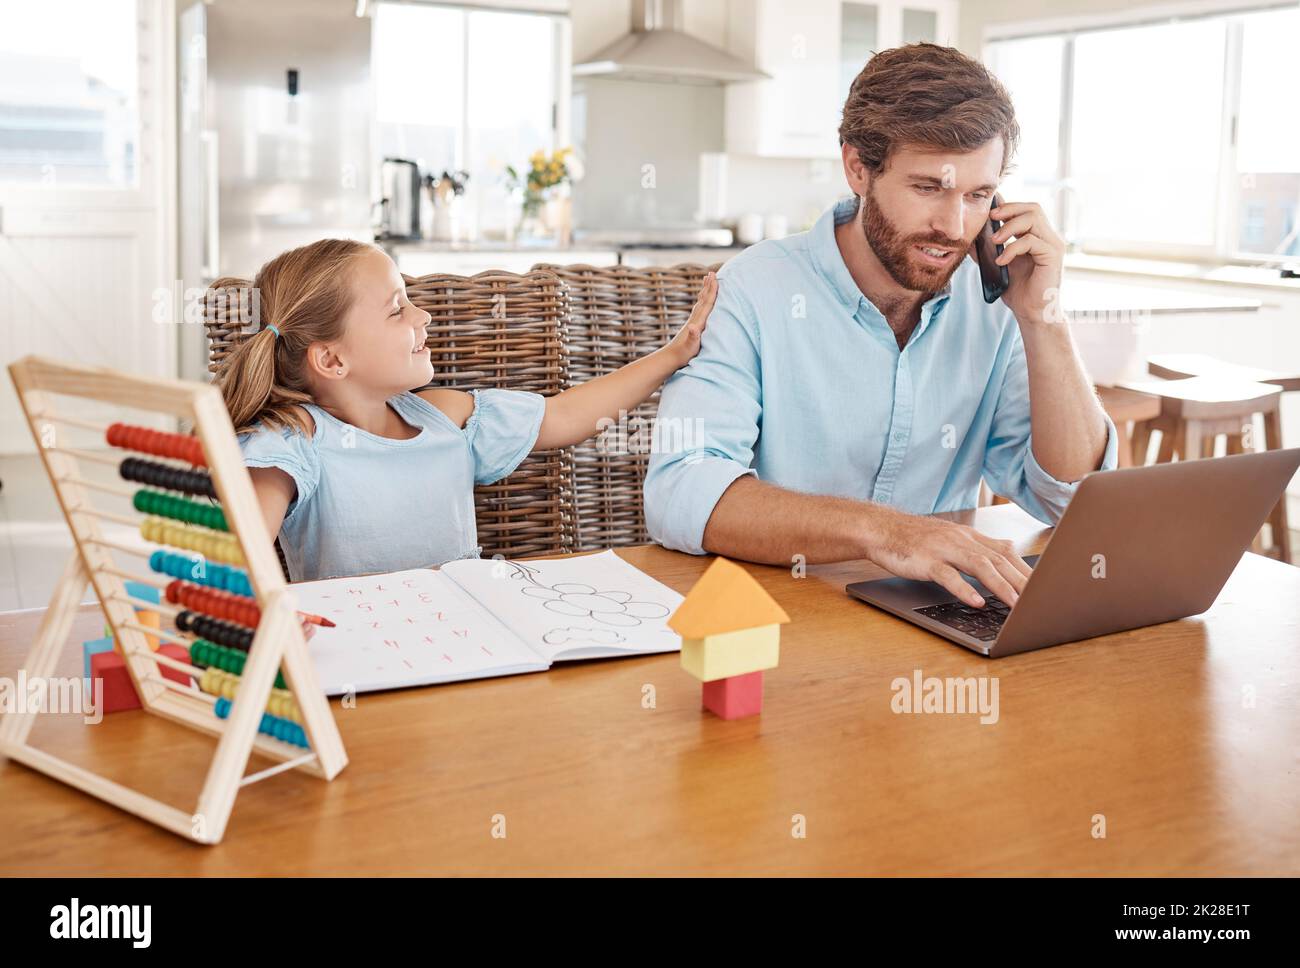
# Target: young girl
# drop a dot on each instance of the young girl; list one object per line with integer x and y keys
{"x": 355, "y": 472}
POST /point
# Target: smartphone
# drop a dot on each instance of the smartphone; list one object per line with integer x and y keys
{"x": 995, "y": 278}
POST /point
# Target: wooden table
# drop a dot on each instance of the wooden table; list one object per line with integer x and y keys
{"x": 1184, "y": 736}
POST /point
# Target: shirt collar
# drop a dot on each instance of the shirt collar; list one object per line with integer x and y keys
{"x": 830, "y": 263}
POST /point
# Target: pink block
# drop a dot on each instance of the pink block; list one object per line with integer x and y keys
{"x": 735, "y": 696}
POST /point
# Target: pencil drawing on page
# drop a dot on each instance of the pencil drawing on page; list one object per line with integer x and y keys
{"x": 610, "y": 610}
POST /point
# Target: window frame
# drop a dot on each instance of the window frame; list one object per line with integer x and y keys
{"x": 561, "y": 40}
{"x": 1226, "y": 209}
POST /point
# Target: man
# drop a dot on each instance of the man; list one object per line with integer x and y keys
{"x": 852, "y": 377}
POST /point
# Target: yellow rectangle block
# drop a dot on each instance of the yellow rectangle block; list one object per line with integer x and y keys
{"x": 732, "y": 653}
{"x": 144, "y": 617}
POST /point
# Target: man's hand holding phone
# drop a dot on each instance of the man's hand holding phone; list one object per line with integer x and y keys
{"x": 1035, "y": 259}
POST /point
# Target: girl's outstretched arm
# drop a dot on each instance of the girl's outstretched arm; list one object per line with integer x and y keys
{"x": 576, "y": 414}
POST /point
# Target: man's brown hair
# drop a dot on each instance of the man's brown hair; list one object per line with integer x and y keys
{"x": 928, "y": 97}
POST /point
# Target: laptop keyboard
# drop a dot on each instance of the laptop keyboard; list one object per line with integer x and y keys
{"x": 980, "y": 623}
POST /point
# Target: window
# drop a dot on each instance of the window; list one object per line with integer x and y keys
{"x": 1031, "y": 71}
{"x": 1268, "y": 134}
{"x": 1145, "y": 125}
{"x": 1170, "y": 138}
{"x": 68, "y": 93}
{"x": 461, "y": 89}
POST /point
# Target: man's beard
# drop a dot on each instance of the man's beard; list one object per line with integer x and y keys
{"x": 895, "y": 252}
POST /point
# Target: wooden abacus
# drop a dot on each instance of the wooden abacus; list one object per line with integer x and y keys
{"x": 232, "y": 593}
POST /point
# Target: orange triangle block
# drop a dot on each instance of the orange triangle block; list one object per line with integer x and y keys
{"x": 725, "y": 599}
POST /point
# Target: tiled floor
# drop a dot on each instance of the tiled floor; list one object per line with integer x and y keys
{"x": 34, "y": 541}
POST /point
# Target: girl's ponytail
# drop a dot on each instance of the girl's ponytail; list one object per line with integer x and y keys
{"x": 299, "y": 298}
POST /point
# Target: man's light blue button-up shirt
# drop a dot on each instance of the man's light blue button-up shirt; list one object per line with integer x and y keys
{"x": 800, "y": 381}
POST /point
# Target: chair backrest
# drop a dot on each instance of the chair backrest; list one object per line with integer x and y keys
{"x": 616, "y": 315}
{"x": 496, "y": 329}
{"x": 499, "y": 329}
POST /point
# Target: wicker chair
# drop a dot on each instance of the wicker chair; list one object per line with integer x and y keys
{"x": 496, "y": 329}
{"x": 617, "y": 314}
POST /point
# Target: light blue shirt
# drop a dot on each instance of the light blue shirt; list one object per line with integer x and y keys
{"x": 369, "y": 504}
{"x": 800, "y": 382}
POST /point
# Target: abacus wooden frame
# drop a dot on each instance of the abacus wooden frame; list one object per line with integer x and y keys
{"x": 277, "y": 644}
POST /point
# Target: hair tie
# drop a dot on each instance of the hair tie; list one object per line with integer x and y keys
{"x": 274, "y": 329}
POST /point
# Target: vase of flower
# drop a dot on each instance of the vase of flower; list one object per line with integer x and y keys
{"x": 545, "y": 205}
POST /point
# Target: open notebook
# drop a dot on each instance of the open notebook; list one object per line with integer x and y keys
{"x": 483, "y": 617}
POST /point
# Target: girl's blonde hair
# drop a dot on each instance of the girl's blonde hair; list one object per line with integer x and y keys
{"x": 305, "y": 294}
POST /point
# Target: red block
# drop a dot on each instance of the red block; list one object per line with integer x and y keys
{"x": 119, "y": 693}
{"x": 180, "y": 654}
{"x": 735, "y": 696}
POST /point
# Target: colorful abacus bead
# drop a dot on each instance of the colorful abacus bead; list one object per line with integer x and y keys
{"x": 224, "y": 605}
{"x": 217, "y": 682}
{"x": 194, "y": 568}
{"x": 170, "y": 478}
{"x": 271, "y": 725}
{"x": 171, "y": 506}
{"x": 214, "y": 629}
{"x": 156, "y": 442}
{"x": 204, "y": 653}
{"x": 282, "y": 704}
{"x": 213, "y": 545}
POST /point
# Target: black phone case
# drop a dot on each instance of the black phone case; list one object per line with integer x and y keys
{"x": 995, "y": 278}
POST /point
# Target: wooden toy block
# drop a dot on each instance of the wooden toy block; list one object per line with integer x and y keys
{"x": 119, "y": 691}
{"x": 94, "y": 647}
{"x": 180, "y": 654}
{"x": 203, "y": 501}
{"x": 735, "y": 696}
{"x": 154, "y": 621}
{"x": 725, "y": 599}
{"x": 144, "y": 617}
{"x": 731, "y": 631}
{"x": 732, "y": 653}
{"x": 149, "y": 593}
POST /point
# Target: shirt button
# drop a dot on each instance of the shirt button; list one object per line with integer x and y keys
{"x": 899, "y": 437}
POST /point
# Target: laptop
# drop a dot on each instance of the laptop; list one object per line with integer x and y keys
{"x": 1135, "y": 547}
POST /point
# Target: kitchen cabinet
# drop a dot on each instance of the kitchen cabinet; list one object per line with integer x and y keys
{"x": 812, "y": 50}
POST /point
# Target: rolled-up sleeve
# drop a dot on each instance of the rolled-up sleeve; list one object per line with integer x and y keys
{"x": 1010, "y": 467}
{"x": 707, "y": 426}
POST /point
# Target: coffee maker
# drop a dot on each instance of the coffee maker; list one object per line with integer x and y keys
{"x": 399, "y": 204}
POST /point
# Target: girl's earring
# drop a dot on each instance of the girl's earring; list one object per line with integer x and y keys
{"x": 339, "y": 371}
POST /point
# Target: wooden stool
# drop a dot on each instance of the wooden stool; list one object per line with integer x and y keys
{"x": 1173, "y": 366}
{"x": 1194, "y": 411}
{"x": 1125, "y": 406}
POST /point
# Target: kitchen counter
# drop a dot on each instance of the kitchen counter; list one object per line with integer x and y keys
{"x": 417, "y": 257}
{"x": 1084, "y": 296}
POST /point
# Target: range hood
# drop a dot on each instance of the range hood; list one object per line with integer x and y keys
{"x": 658, "y": 50}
